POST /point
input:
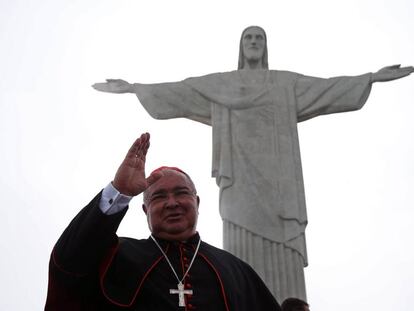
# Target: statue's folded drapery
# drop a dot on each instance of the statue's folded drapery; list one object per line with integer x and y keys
{"x": 256, "y": 157}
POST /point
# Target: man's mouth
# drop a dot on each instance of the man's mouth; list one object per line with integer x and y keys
{"x": 174, "y": 216}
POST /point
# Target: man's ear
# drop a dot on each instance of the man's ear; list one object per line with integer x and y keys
{"x": 144, "y": 208}
{"x": 198, "y": 201}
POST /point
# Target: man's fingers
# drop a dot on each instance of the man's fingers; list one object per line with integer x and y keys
{"x": 134, "y": 147}
{"x": 154, "y": 177}
{"x": 143, "y": 146}
{"x": 140, "y": 146}
{"x": 146, "y": 145}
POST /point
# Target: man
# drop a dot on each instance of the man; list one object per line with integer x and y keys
{"x": 254, "y": 113}
{"x": 92, "y": 269}
{"x": 295, "y": 304}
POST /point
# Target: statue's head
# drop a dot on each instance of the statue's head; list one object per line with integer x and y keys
{"x": 253, "y": 47}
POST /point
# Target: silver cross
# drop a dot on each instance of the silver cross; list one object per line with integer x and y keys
{"x": 181, "y": 292}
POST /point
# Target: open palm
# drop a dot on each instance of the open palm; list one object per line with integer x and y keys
{"x": 130, "y": 177}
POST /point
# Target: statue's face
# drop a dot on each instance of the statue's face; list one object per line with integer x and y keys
{"x": 254, "y": 42}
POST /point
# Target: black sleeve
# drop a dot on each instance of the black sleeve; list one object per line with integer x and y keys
{"x": 84, "y": 243}
{"x": 77, "y": 255}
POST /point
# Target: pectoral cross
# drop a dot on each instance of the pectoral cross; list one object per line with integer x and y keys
{"x": 181, "y": 292}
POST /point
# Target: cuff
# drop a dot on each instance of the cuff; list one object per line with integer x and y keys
{"x": 112, "y": 201}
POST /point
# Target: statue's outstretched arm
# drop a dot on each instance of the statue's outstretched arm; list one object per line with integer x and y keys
{"x": 390, "y": 73}
{"x": 114, "y": 86}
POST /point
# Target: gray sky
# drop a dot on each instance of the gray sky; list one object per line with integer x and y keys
{"x": 61, "y": 141}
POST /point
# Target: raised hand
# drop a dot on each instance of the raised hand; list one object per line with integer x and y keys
{"x": 114, "y": 86}
{"x": 390, "y": 73}
{"x": 130, "y": 177}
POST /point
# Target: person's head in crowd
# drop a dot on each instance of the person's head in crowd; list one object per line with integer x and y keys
{"x": 294, "y": 304}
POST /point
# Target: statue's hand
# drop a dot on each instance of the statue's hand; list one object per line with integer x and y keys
{"x": 113, "y": 86}
{"x": 390, "y": 73}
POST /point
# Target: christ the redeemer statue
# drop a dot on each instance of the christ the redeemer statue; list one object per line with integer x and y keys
{"x": 254, "y": 113}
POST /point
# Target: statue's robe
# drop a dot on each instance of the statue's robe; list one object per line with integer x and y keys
{"x": 256, "y": 157}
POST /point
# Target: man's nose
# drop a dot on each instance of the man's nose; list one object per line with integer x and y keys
{"x": 171, "y": 201}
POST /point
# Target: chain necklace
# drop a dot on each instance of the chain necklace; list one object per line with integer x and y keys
{"x": 180, "y": 286}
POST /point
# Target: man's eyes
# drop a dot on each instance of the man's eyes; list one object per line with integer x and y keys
{"x": 163, "y": 196}
{"x": 159, "y": 196}
{"x": 183, "y": 192}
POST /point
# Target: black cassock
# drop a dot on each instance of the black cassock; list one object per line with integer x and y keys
{"x": 92, "y": 269}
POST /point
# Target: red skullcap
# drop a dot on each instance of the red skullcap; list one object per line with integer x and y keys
{"x": 173, "y": 168}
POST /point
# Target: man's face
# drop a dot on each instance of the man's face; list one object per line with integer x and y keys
{"x": 172, "y": 207}
{"x": 253, "y": 43}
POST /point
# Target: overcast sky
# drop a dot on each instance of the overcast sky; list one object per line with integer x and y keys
{"x": 61, "y": 141}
